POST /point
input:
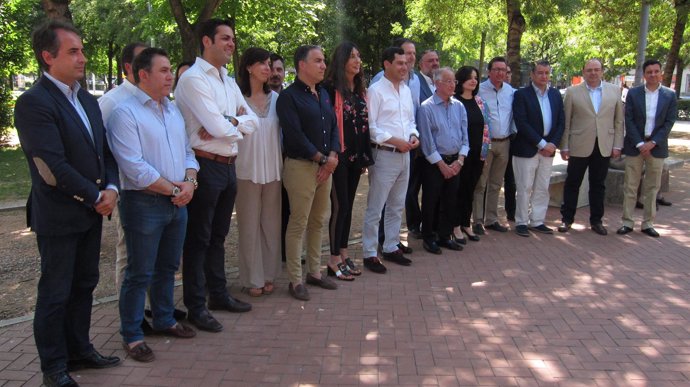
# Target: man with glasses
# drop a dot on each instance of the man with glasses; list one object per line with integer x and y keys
{"x": 442, "y": 122}
{"x": 498, "y": 97}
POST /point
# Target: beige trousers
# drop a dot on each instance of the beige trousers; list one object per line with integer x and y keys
{"x": 258, "y": 223}
{"x": 634, "y": 165}
{"x": 309, "y": 209}
{"x": 491, "y": 181}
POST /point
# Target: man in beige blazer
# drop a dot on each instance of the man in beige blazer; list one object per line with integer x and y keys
{"x": 593, "y": 134}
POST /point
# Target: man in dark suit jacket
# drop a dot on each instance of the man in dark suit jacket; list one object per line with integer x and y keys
{"x": 74, "y": 184}
{"x": 540, "y": 120}
{"x": 650, "y": 112}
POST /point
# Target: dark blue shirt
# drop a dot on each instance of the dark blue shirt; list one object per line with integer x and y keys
{"x": 308, "y": 121}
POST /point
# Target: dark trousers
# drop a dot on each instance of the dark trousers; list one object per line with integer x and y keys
{"x": 439, "y": 202}
{"x": 509, "y": 189}
{"x": 345, "y": 181}
{"x": 598, "y": 169}
{"x": 468, "y": 177}
{"x": 69, "y": 274}
{"x": 210, "y": 212}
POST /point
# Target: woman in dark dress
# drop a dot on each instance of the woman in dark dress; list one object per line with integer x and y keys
{"x": 345, "y": 85}
{"x": 478, "y": 133}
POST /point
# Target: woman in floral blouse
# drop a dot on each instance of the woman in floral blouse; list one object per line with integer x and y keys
{"x": 345, "y": 84}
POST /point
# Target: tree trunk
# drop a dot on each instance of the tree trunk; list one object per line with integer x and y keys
{"x": 190, "y": 43}
{"x": 516, "y": 27}
{"x": 482, "y": 49}
{"x": 681, "y": 7}
{"x": 111, "y": 55}
{"x": 57, "y": 9}
{"x": 680, "y": 65}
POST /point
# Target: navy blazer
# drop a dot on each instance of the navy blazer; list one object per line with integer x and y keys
{"x": 636, "y": 118}
{"x": 424, "y": 89}
{"x": 529, "y": 122}
{"x": 68, "y": 168}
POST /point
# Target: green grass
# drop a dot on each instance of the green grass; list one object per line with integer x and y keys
{"x": 15, "y": 182}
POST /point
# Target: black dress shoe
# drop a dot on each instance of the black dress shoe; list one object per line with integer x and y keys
{"x": 624, "y": 230}
{"x": 397, "y": 257}
{"x": 599, "y": 229}
{"x": 565, "y": 227}
{"x": 405, "y": 249}
{"x": 204, "y": 321}
{"x": 522, "y": 230}
{"x": 94, "y": 360}
{"x": 449, "y": 244}
{"x": 663, "y": 202}
{"x": 478, "y": 229}
{"x": 230, "y": 304}
{"x": 374, "y": 264}
{"x": 460, "y": 241}
{"x": 60, "y": 379}
{"x": 431, "y": 246}
{"x": 473, "y": 237}
{"x": 651, "y": 232}
{"x": 496, "y": 227}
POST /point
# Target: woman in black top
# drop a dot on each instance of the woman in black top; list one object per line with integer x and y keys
{"x": 345, "y": 84}
{"x": 478, "y": 133}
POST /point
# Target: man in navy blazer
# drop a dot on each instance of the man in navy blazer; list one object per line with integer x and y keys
{"x": 650, "y": 112}
{"x": 73, "y": 185}
{"x": 540, "y": 120}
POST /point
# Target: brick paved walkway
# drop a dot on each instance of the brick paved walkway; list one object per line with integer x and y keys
{"x": 575, "y": 310}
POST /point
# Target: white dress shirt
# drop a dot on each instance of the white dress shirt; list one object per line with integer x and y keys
{"x": 260, "y": 159}
{"x": 651, "y": 100}
{"x": 391, "y": 113}
{"x": 206, "y": 97}
{"x": 149, "y": 141}
{"x": 111, "y": 99}
{"x": 595, "y": 95}
{"x": 72, "y": 95}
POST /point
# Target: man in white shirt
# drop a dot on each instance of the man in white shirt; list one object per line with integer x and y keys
{"x": 393, "y": 134}
{"x": 650, "y": 112}
{"x": 498, "y": 99}
{"x": 212, "y": 101}
{"x": 158, "y": 169}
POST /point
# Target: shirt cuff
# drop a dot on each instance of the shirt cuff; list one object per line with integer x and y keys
{"x": 639, "y": 144}
{"x": 541, "y": 144}
{"x": 464, "y": 150}
{"x": 433, "y": 158}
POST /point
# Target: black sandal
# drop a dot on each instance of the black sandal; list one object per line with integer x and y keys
{"x": 352, "y": 268}
{"x": 342, "y": 273}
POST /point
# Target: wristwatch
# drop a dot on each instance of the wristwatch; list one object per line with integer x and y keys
{"x": 175, "y": 191}
{"x": 323, "y": 160}
{"x": 193, "y": 181}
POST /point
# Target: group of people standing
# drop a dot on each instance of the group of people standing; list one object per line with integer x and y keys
{"x": 178, "y": 169}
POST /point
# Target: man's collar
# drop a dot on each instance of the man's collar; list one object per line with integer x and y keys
{"x": 647, "y": 90}
{"x": 601, "y": 84}
{"x": 438, "y": 100}
{"x": 206, "y": 66}
{"x": 143, "y": 98}
{"x": 64, "y": 88}
{"x": 538, "y": 90}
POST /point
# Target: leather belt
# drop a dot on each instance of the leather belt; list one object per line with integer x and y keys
{"x": 215, "y": 157}
{"x": 449, "y": 158}
{"x": 147, "y": 191}
{"x": 383, "y": 147}
{"x": 500, "y": 139}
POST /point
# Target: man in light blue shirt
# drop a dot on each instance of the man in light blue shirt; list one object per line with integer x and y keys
{"x": 498, "y": 99}
{"x": 149, "y": 142}
{"x": 442, "y": 123}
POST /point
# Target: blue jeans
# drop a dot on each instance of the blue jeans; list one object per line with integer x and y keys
{"x": 154, "y": 233}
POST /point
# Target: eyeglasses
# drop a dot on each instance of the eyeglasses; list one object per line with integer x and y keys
{"x": 449, "y": 81}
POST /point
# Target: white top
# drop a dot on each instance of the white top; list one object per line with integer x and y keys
{"x": 651, "y": 99}
{"x": 259, "y": 158}
{"x": 111, "y": 99}
{"x": 499, "y": 104}
{"x": 391, "y": 113}
{"x": 206, "y": 96}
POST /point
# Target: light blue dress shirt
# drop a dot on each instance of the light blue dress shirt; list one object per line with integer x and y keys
{"x": 546, "y": 116}
{"x": 500, "y": 108}
{"x": 149, "y": 141}
{"x": 443, "y": 128}
{"x": 72, "y": 94}
{"x": 595, "y": 96}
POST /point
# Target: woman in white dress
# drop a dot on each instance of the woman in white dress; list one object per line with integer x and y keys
{"x": 259, "y": 165}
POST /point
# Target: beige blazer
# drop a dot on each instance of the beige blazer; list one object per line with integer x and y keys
{"x": 583, "y": 125}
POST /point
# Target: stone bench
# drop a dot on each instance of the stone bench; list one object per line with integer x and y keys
{"x": 614, "y": 184}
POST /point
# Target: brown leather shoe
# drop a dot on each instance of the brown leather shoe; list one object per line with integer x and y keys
{"x": 299, "y": 291}
{"x": 140, "y": 352}
{"x": 178, "y": 330}
{"x": 323, "y": 282}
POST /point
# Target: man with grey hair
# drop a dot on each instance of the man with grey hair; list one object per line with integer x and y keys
{"x": 442, "y": 123}
{"x": 539, "y": 118}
